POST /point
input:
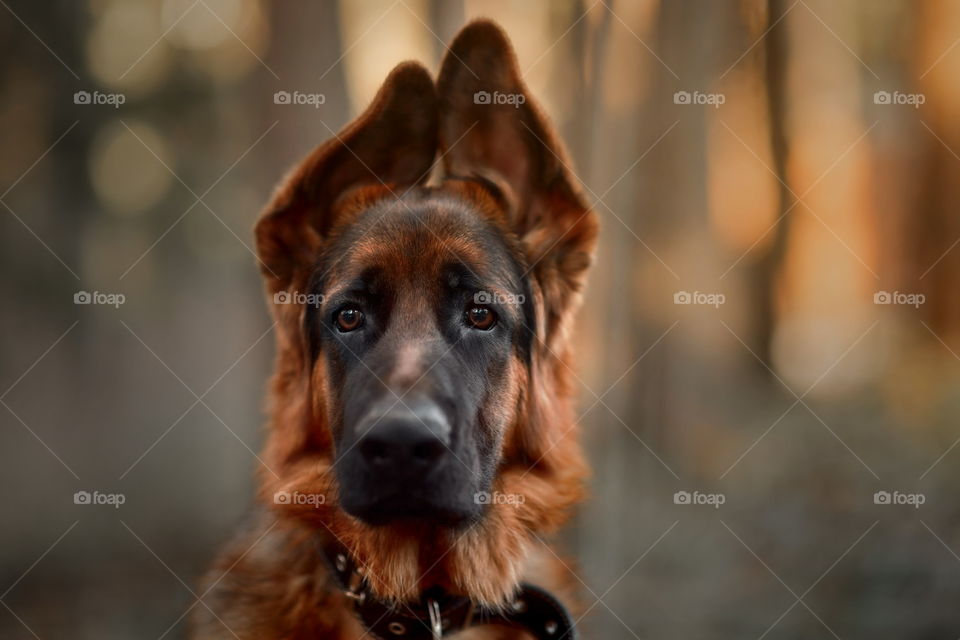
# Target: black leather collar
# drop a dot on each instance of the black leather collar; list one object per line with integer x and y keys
{"x": 438, "y": 614}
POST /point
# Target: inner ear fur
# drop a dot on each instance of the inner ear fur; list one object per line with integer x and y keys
{"x": 392, "y": 143}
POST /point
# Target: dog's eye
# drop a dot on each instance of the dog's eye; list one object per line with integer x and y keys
{"x": 481, "y": 318}
{"x": 349, "y": 319}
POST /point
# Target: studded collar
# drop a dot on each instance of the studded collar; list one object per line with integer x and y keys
{"x": 440, "y": 615}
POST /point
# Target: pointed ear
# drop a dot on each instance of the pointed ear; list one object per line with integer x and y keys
{"x": 490, "y": 127}
{"x": 394, "y": 143}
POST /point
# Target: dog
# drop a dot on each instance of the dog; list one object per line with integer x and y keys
{"x": 423, "y": 267}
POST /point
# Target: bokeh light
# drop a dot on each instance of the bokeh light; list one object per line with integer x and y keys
{"x": 126, "y": 175}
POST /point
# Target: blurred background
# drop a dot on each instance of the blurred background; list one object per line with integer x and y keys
{"x": 768, "y": 353}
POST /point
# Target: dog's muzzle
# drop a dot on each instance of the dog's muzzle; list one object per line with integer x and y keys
{"x": 401, "y": 464}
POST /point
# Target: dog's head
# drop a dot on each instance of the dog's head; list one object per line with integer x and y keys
{"x": 422, "y": 327}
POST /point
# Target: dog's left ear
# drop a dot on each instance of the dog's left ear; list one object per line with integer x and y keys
{"x": 491, "y": 128}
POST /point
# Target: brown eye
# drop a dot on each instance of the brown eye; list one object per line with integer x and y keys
{"x": 481, "y": 318}
{"x": 349, "y": 319}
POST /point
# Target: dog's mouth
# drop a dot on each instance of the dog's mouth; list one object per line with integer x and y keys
{"x": 440, "y": 496}
{"x": 403, "y": 508}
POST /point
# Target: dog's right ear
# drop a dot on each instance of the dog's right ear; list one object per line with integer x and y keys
{"x": 393, "y": 143}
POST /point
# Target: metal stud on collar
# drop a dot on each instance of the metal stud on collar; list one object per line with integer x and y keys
{"x": 356, "y": 589}
{"x": 436, "y": 622}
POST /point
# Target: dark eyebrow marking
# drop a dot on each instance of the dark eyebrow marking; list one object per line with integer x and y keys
{"x": 367, "y": 283}
{"x": 462, "y": 278}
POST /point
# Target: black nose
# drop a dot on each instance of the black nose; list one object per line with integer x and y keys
{"x": 404, "y": 441}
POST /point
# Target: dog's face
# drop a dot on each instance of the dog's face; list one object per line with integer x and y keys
{"x": 423, "y": 360}
{"x": 425, "y": 326}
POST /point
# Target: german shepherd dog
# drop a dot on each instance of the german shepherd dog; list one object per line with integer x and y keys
{"x": 422, "y": 440}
